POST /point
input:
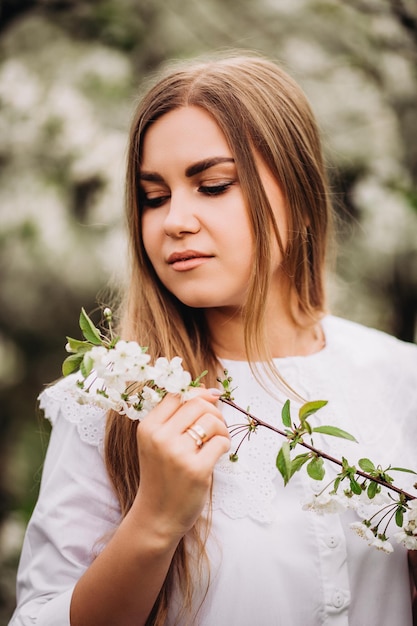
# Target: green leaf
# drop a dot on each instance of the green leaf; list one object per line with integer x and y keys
{"x": 90, "y": 332}
{"x": 355, "y": 487}
{"x": 334, "y": 432}
{"x": 286, "y": 415}
{"x": 283, "y": 462}
{"x": 310, "y": 407}
{"x": 78, "y": 346}
{"x": 399, "y": 516}
{"x": 373, "y": 489}
{"x": 402, "y": 469}
{"x": 366, "y": 465}
{"x": 86, "y": 365}
{"x": 315, "y": 469}
{"x": 72, "y": 364}
{"x": 197, "y": 381}
{"x": 336, "y": 483}
{"x": 298, "y": 462}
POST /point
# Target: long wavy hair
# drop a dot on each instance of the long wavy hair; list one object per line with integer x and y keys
{"x": 261, "y": 110}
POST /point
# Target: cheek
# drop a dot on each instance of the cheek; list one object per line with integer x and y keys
{"x": 149, "y": 232}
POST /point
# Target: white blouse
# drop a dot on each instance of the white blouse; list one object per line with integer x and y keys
{"x": 271, "y": 562}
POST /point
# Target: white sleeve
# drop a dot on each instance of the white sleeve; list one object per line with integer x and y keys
{"x": 73, "y": 519}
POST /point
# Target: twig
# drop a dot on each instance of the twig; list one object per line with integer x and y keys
{"x": 317, "y": 452}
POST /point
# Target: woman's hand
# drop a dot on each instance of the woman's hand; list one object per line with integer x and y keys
{"x": 176, "y": 470}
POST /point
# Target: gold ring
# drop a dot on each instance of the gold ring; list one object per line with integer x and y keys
{"x": 200, "y": 432}
{"x": 194, "y": 435}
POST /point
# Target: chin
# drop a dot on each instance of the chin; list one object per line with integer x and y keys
{"x": 199, "y": 303}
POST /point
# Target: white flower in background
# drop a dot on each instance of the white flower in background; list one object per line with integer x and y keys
{"x": 170, "y": 375}
{"x": 326, "y": 502}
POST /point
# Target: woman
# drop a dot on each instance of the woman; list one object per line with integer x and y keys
{"x": 229, "y": 216}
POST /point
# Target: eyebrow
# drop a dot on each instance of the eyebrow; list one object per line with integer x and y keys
{"x": 205, "y": 164}
{"x": 191, "y": 171}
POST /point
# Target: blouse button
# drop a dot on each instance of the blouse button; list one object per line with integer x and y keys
{"x": 332, "y": 541}
{"x": 337, "y": 599}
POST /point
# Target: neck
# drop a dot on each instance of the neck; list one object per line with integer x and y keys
{"x": 286, "y": 335}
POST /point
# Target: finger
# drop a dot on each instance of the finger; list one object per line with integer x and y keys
{"x": 206, "y": 427}
{"x": 191, "y": 412}
{"x": 164, "y": 410}
{"x": 213, "y": 449}
{"x": 169, "y": 405}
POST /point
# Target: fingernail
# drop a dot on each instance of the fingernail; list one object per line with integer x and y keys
{"x": 215, "y": 392}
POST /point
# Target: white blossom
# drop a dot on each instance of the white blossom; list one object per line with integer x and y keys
{"x": 411, "y": 514}
{"x": 373, "y": 540}
{"x": 326, "y": 503}
{"x": 382, "y": 544}
{"x": 170, "y": 375}
{"x": 130, "y": 360}
{"x": 123, "y": 380}
{"x": 150, "y": 398}
{"x": 408, "y": 541}
{"x": 121, "y": 365}
{"x": 408, "y": 534}
{"x": 362, "y": 530}
{"x": 138, "y": 406}
{"x": 379, "y": 500}
{"x": 365, "y": 506}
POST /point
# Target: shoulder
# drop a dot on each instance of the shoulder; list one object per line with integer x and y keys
{"x": 60, "y": 402}
{"x": 365, "y": 356}
{"x": 366, "y": 344}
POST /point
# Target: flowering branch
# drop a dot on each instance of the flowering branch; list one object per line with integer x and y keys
{"x": 122, "y": 378}
{"x": 256, "y": 421}
{"x": 403, "y": 508}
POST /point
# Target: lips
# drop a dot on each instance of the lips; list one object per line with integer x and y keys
{"x": 187, "y": 260}
{"x": 187, "y": 255}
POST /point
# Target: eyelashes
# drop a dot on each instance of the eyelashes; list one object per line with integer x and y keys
{"x": 206, "y": 190}
{"x": 153, "y": 203}
{"x": 215, "y": 190}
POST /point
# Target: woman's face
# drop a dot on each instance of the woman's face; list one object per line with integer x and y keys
{"x": 195, "y": 224}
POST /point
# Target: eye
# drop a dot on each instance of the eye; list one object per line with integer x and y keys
{"x": 153, "y": 202}
{"x": 215, "y": 190}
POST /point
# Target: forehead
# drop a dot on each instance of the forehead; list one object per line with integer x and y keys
{"x": 186, "y": 134}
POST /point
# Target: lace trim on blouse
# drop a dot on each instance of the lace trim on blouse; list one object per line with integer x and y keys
{"x": 60, "y": 399}
{"x": 248, "y": 487}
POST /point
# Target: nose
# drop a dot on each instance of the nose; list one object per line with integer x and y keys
{"x": 181, "y": 218}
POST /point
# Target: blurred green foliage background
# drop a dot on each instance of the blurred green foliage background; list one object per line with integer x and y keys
{"x": 70, "y": 72}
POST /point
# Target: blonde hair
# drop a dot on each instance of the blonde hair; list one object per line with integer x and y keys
{"x": 261, "y": 110}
